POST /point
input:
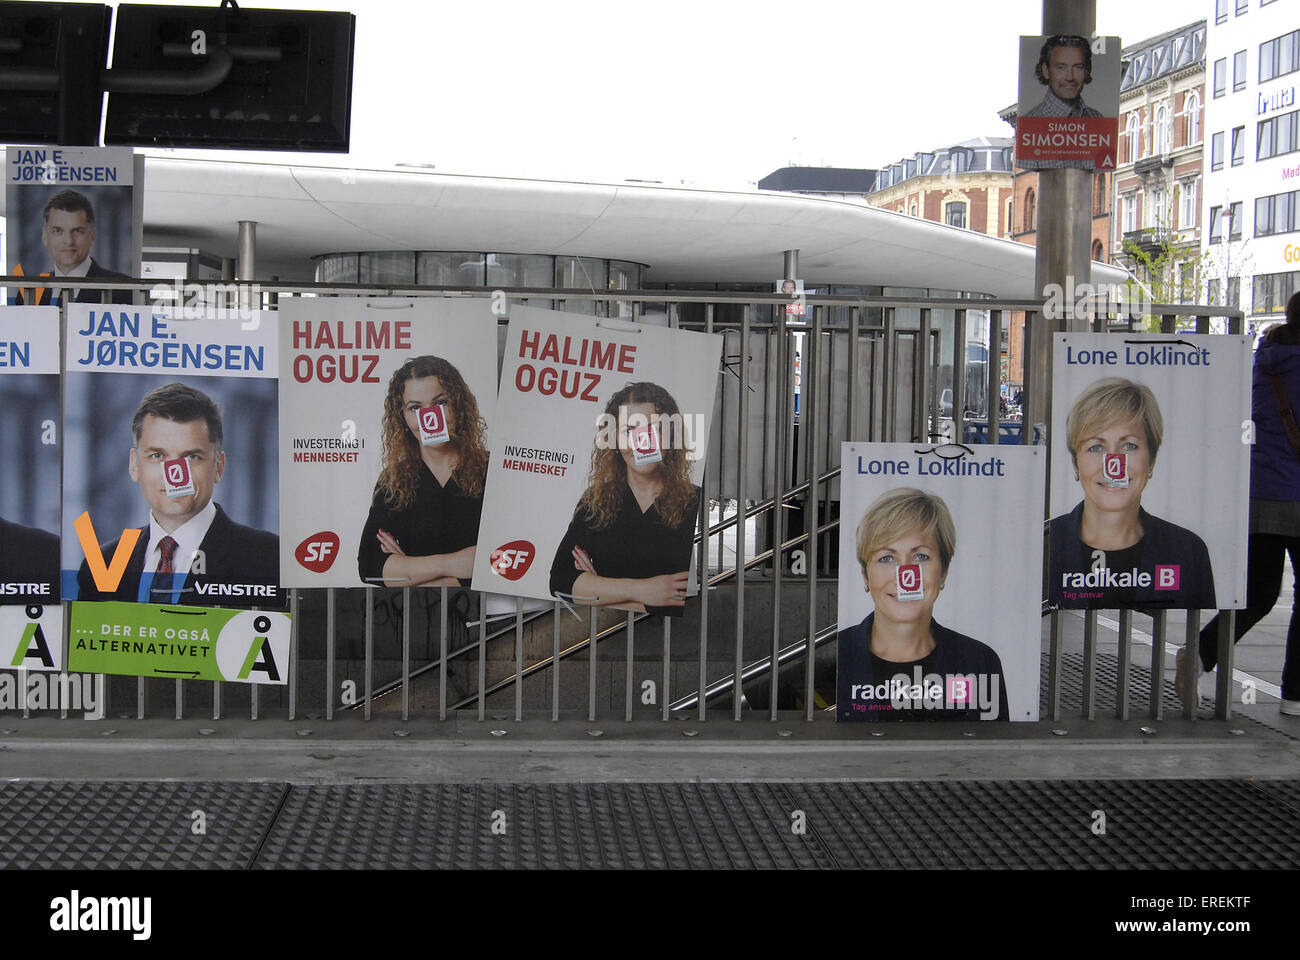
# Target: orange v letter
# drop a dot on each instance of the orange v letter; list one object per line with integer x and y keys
{"x": 107, "y": 576}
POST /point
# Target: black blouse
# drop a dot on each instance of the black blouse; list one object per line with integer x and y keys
{"x": 439, "y": 520}
{"x": 636, "y": 546}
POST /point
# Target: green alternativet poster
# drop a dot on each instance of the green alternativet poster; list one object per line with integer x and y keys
{"x": 190, "y": 643}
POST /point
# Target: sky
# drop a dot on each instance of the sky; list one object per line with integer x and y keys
{"x": 706, "y": 93}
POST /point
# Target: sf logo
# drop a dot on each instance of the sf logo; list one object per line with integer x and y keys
{"x": 1115, "y": 467}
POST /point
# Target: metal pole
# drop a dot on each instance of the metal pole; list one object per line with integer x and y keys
{"x": 246, "y": 266}
{"x": 742, "y": 508}
{"x": 370, "y": 646}
{"x": 1054, "y": 666}
{"x": 1223, "y": 687}
{"x": 959, "y": 377}
{"x": 790, "y": 260}
{"x": 783, "y": 417}
{"x": 665, "y": 693}
{"x": 406, "y": 653}
{"x": 1191, "y": 641}
{"x": 1090, "y": 665}
{"x": 555, "y": 662}
{"x": 810, "y": 419}
{"x": 1159, "y": 629}
{"x": 627, "y": 671}
{"x": 995, "y": 378}
{"x": 329, "y": 653}
{"x": 591, "y": 664}
{"x": 519, "y": 659}
{"x": 442, "y": 655}
{"x": 294, "y": 640}
{"x": 1122, "y": 669}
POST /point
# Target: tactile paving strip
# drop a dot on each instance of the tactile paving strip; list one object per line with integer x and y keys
{"x": 1149, "y": 824}
{"x": 134, "y": 825}
{"x": 565, "y": 826}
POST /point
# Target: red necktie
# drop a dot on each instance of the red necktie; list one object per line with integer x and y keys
{"x": 167, "y": 547}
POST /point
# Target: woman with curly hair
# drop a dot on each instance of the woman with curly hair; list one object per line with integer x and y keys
{"x": 423, "y": 521}
{"x": 629, "y": 543}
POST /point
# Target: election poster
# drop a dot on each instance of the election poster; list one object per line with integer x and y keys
{"x": 72, "y": 212}
{"x": 941, "y": 557}
{"x": 170, "y": 492}
{"x": 1150, "y": 471}
{"x": 1067, "y": 114}
{"x": 31, "y": 620}
{"x": 181, "y": 643}
{"x": 593, "y": 493}
{"x": 29, "y": 455}
{"x": 386, "y": 416}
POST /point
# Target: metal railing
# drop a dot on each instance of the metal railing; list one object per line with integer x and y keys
{"x": 871, "y": 371}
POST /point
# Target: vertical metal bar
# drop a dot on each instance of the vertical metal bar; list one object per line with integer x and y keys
{"x": 1090, "y": 665}
{"x": 1223, "y": 686}
{"x": 665, "y": 695}
{"x": 139, "y": 698}
{"x": 294, "y": 639}
{"x": 555, "y": 662}
{"x": 1054, "y": 665}
{"x": 216, "y": 699}
{"x": 254, "y": 700}
{"x": 810, "y": 414}
{"x": 180, "y": 699}
{"x": 329, "y": 652}
{"x": 406, "y": 653}
{"x": 889, "y": 396}
{"x": 784, "y": 401}
{"x": 370, "y": 647}
{"x": 1192, "y": 663}
{"x": 519, "y": 659}
{"x": 959, "y": 376}
{"x": 442, "y": 651}
{"x": 921, "y": 380}
{"x": 852, "y": 425}
{"x": 1159, "y": 630}
{"x": 1122, "y": 669}
{"x": 627, "y": 670}
{"x": 482, "y": 659}
{"x": 742, "y": 509}
{"x": 995, "y": 375}
{"x": 702, "y": 706}
{"x": 591, "y": 665}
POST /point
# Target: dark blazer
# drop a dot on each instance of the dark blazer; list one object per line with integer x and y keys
{"x": 233, "y": 554}
{"x": 954, "y": 654}
{"x": 1162, "y": 543}
{"x": 28, "y": 555}
{"x": 85, "y": 294}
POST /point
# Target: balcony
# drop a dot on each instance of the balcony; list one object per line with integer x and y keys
{"x": 1150, "y": 240}
{"x": 1157, "y": 161}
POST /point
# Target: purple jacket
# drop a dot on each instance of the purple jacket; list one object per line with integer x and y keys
{"x": 1274, "y": 466}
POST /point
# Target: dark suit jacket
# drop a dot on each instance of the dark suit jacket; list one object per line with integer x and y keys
{"x": 29, "y": 555}
{"x": 85, "y": 294}
{"x": 233, "y": 554}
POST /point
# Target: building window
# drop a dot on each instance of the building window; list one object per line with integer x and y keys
{"x": 1220, "y": 11}
{"x": 1192, "y": 108}
{"x": 1212, "y": 288}
{"x": 1234, "y": 221}
{"x": 1279, "y": 213}
{"x": 1234, "y": 292}
{"x": 1029, "y": 210}
{"x": 1186, "y": 283}
{"x": 1162, "y": 134}
{"x": 1098, "y": 254}
{"x": 913, "y": 209}
{"x": 1238, "y": 146}
{"x": 954, "y": 214}
{"x": 1131, "y": 136}
{"x": 1187, "y": 208}
{"x": 1099, "y": 195}
{"x": 1273, "y": 290}
{"x": 1156, "y": 209}
{"x": 1220, "y": 76}
{"x": 1276, "y": 136}
{"x": 1129, "y": 203}
{"x": 1216, "y": 224}
{"x": 1242, "y": 6}
{"x": 1279, "y": 56}
{"x": 1216, "y": 152}
{"x": 1239, "y": 70}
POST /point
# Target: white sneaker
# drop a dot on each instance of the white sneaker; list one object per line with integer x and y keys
{"x": 1290, "y": 707}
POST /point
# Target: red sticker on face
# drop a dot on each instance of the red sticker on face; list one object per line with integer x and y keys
{"x": 911, "y": 585}
{"x": 1115, "y": 469}
{"x": 433, "y": 425}
{"x": 177, "y": 479}
{"x": 645, "y": 445}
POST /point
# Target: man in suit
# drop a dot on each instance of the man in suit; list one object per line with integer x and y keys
{"x": 190, "y": 551}
{"x": 28, "y": 556}
{"x": 69, "y": 235}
